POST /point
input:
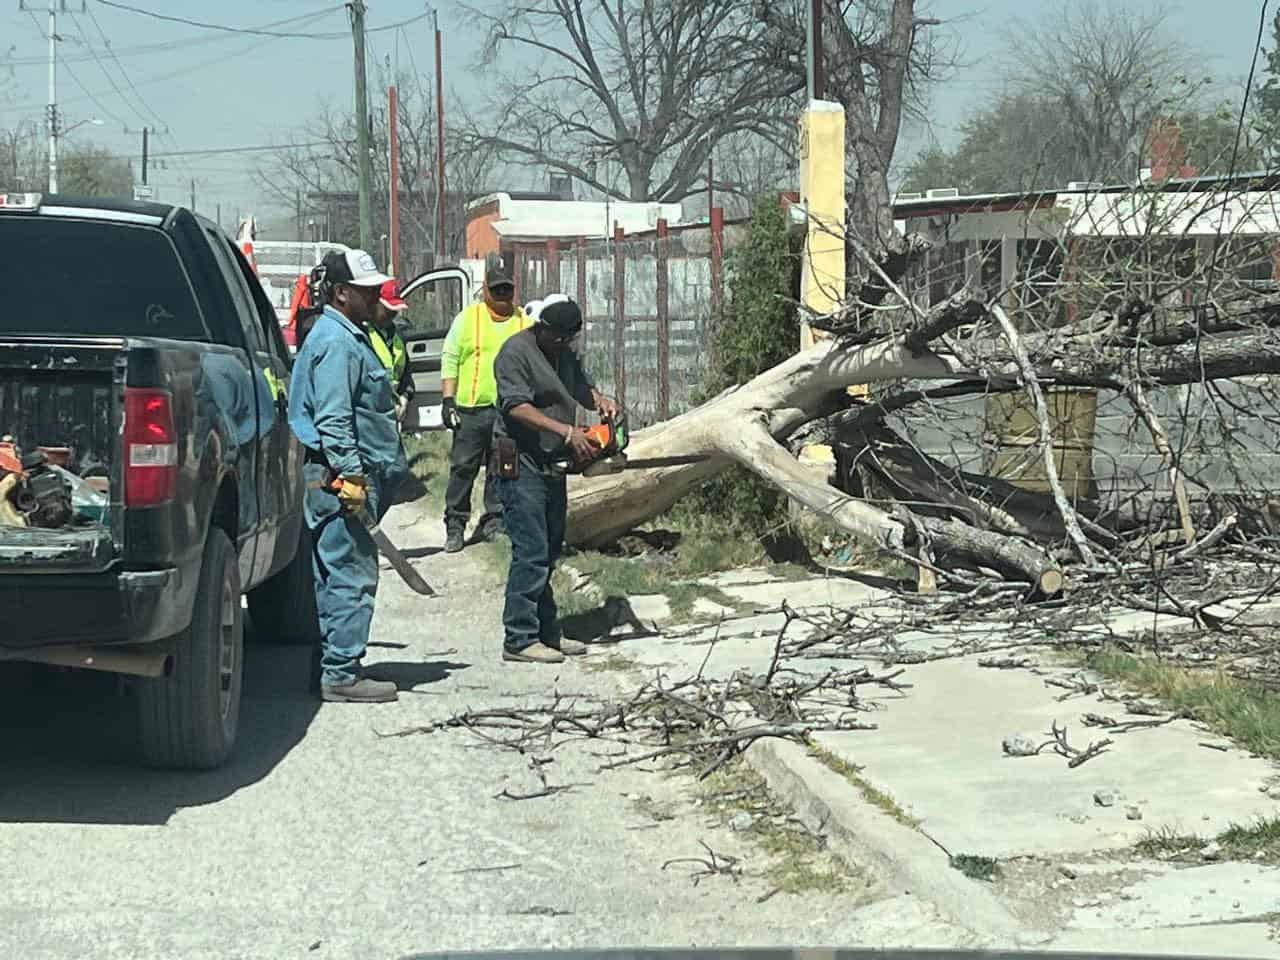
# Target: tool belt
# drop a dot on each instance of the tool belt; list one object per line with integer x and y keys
{"x": 315, "y": 456}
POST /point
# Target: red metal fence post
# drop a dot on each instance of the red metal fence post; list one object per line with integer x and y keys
{"x": 664, "y": 322}
{"x": 717, "y": 262}
{"x": 553, "y": 266}
{"x": 619, "y": 316}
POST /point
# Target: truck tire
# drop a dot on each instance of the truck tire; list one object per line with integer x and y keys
{"x": 284, "y": 608}
{"x": 188, "y": 720}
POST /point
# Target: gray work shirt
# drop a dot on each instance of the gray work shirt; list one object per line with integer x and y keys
{"x": 525, "y": 375}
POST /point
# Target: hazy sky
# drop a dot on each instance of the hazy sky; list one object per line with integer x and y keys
{"x": 221, "y": 90}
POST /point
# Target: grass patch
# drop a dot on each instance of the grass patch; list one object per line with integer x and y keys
{"x": 986, "y": 869}
{"x": 1168, "y": 843}
{"x": 1258, "y": 842}
{"x": 871, "y": 793}
{"x": 613, "y": 576}
{"x": 428, "y": 455}
{"x": 799, "y": 861}
{"x": 1243, "y": 711}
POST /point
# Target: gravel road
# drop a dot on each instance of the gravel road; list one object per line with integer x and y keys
{"x": 323, "y": 839}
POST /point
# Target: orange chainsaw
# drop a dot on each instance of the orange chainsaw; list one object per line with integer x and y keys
{"x": 611, "y": 437}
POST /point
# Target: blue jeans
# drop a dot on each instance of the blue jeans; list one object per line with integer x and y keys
{"x": 534, "y": 507}
{"x": 345, "y": 561}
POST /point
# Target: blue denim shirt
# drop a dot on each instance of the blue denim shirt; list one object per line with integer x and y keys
{"x": 342, "y": 403}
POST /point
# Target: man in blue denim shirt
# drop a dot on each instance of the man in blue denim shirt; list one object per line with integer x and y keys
{"x": 342, "y": 408}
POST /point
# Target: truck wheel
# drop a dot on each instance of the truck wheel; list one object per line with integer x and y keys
{"x": 188, "y": 720}
{"x": 284, "y": 608}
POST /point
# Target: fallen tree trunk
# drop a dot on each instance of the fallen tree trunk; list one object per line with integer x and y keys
{"x": 748, "y": 424}
{"x": 778, "y": 402}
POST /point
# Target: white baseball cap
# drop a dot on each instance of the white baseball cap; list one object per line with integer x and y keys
{"x": 354, "y": 267}
{"x": 534, "y": 309}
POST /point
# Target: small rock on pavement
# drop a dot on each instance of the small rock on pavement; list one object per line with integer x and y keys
{"x": 1106, "y": 798}
{"x": 1019, "y": 745}
{"x": 1212, "y": 850}
{"x": 1133, "y": 813}
{"x": 741, "y": 821}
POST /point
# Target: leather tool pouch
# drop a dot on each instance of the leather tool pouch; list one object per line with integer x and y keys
{"x": 508, "y": 458}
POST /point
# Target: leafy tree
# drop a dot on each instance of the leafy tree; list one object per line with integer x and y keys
{"x": 759, "y": 329}
{"x": 90, "y": 171}
{"x": 1267, "y": 97}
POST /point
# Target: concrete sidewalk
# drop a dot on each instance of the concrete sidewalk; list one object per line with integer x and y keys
{"x": 1065, "y": 834}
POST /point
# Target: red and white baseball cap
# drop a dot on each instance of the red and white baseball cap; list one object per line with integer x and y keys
{"x": 389, "y": 296}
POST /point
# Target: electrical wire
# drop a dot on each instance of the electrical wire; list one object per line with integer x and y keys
{"x": 167, "y": 46}
{"x": 119, "y": 66}
{"x": 75, "y": 77}
{"x": 255, "y": 30}
{"x": 255, "y": 148}
{"x": 160, "y": 78}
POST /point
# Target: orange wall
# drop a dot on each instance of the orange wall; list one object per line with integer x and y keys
{"x": 482, "y": 239}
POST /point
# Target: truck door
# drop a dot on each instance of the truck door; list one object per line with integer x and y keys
{"x": 280, "y": 470}
{"x": 255, "y": 428}
{"x": 434, "y": 299}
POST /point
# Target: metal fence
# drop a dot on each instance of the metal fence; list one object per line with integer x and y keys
{"x": 648, "y": 300}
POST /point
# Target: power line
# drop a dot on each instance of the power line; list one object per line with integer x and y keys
{"x": 256, "y": 45}
{"x": 255, "y": 30}
{"x": 167, "y": 46}
{"x": 74, "y": 76}
{"x": 256, "y": 148}
{"x": 110, "y": 50}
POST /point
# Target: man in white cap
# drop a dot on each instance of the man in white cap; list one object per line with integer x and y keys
{"x": 342, "y": 408}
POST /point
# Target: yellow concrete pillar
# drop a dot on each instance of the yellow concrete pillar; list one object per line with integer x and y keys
{"x": 822, "y": 279}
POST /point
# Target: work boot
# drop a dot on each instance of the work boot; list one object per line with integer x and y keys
{"x": 492, "y": 530}
{"x": 535, "y": 653}
{"x": 452, "y": 540}
{"x": 570, "y": 648}
{"x": 363, "y": 690}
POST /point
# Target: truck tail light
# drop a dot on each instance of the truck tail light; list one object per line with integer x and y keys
{"x": 151, "y": 448}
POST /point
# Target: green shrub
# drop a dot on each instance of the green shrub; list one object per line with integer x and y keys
{"x": 758, "y": 329}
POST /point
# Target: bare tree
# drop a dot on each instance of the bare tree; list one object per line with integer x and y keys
{"x": 1107, "y": 73}
{"x": 1122, "y": 294}
{"x": 880, "y": 57}
{"x": 650, "y": 85}
{"x": 332, "y": 169}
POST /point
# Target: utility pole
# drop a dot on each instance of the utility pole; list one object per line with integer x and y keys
{"x": 219, "y": 209}
{"x": 52, "y": 118}
{"x": 816, "y": 79}
{"x": 297, "y": 204}
{"x": 53, "y": 99}
{"x": 440, "y": 195}
{"x": 393, "y": 218}
{"x": 193, "y": 195}
{"x": 363, "y": 159}
{"x": 144, "y": 156}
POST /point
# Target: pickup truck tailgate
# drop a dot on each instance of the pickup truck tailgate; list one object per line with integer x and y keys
{"x": 60, "y": 392}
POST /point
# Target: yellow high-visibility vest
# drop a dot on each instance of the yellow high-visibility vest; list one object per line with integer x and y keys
{"x": 393, "y": 355}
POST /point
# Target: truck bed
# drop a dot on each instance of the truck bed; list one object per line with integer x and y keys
{"x": 60, "y": 392}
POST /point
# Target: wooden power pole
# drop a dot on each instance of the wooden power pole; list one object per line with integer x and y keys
{"x": 363, "y": 160}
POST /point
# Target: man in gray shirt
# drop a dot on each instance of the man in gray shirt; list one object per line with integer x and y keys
{"x": 541, "y": 387}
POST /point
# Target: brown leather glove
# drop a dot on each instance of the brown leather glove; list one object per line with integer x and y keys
{"x": 352, "y": 491}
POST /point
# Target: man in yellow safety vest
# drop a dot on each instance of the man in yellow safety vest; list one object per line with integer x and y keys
{"x": 389, "y": 345}
{"x": 469, "y": 393}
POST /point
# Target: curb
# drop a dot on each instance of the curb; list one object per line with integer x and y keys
{"x": 909, "y": 861}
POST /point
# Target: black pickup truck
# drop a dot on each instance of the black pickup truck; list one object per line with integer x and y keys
{"x": 135, "y": 340}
